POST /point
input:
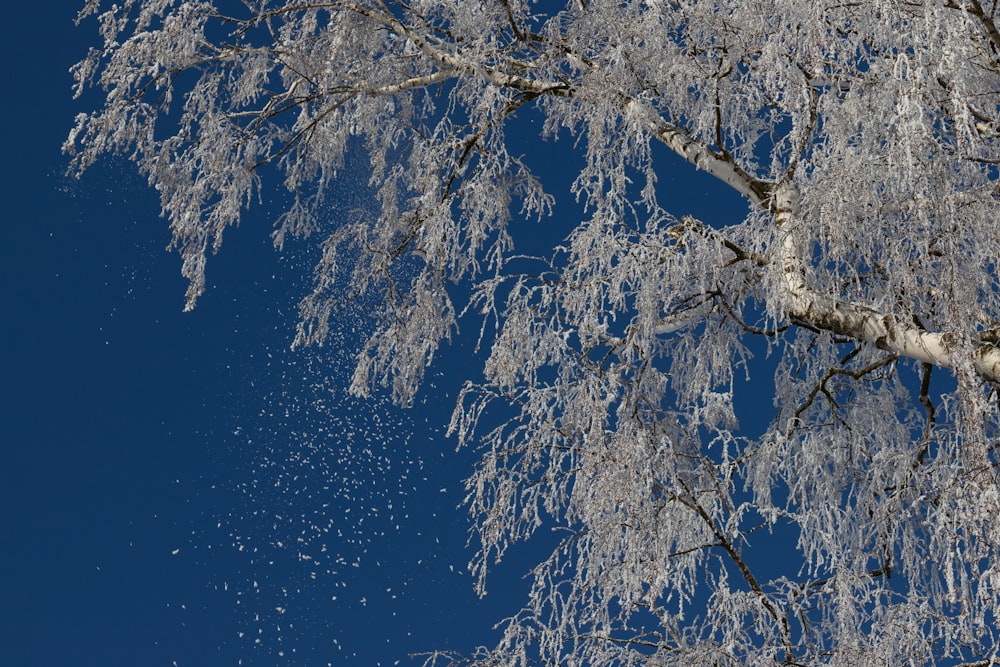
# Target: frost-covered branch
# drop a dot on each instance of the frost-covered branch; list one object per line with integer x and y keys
{"x": 856, "y": 321}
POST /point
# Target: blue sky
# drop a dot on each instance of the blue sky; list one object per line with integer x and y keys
{"x": 181, "y": 488}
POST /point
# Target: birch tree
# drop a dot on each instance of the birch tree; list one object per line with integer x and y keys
{"x": 865, "y": 138}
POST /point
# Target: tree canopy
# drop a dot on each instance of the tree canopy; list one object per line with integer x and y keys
{"x": 865, "y": 137}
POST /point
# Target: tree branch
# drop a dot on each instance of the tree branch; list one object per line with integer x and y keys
{"x": 859, "y": 322}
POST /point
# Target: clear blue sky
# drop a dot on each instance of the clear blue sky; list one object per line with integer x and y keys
{"x": 176, "y": 487}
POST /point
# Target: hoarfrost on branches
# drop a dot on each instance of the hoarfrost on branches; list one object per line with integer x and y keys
{"x": 865, "y": 138}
